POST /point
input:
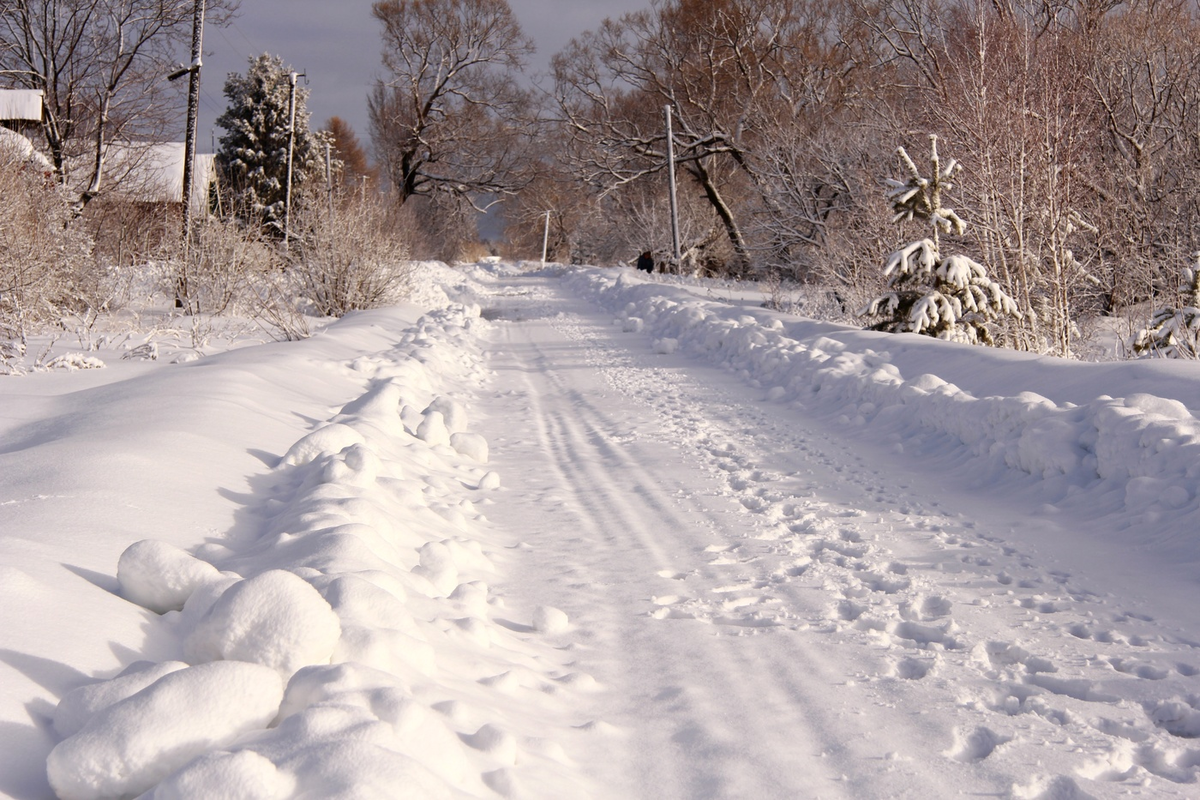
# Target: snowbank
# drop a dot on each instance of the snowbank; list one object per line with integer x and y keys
{"x": 1142, "y": 449}
{"x": 344, "y": 645}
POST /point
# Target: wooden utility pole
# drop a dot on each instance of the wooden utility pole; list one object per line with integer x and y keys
{"x": 193, "y": 111}
{"x": 546, "y": 239}
{"x": 671, "y": 184}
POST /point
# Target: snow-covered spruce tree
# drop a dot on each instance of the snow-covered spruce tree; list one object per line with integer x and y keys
{"x": 949, "y": 297}
{"x": 253, "y": 155}
{"x": 1174, "y": 332}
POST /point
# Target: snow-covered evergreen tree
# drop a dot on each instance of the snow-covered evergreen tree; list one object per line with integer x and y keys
{"x": 253, "y": 153}
{"x": 1175, "y": 332}
{"x": 949, "y": 297}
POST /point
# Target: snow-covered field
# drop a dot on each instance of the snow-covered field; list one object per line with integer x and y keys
{"x": 579, "y": 533}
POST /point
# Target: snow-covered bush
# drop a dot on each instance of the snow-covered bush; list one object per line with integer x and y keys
{"x": 45, "y": 262}
{"x": 351, "y": 257}
{"x": 215, "y": 272}
{"x": 1174, "y": 332}
{"x": 950, "y": 297}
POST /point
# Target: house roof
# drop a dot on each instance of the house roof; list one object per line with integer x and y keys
{"x": 21, "y": 104}
{"x": 148, "y": 172}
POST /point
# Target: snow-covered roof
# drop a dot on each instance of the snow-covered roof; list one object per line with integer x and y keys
{"x": 152, "y": 172}
{"x": 14, "y": 145}
{"x": 22, "y": 104}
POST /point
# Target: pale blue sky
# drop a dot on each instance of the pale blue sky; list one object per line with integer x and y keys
{"x": 337, "y": 44}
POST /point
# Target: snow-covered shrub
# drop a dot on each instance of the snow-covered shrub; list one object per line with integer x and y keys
{"x": 44, "y": 260}
{"x": 950, "y": 297}
{"x": 351, "y": 257}
{"x": 1174, "y": 332}
{"x": 215, "y": 273}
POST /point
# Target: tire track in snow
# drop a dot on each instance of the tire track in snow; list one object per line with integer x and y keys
{"x": 1013, "y": 663}
{"x": 705, "y": 710}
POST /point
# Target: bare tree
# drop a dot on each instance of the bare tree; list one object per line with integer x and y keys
{"x": 450, "y": 117}
{"x": 725, "y": 68}
{"x": 101, "y": 66}
{"x": 1145, "y": 76}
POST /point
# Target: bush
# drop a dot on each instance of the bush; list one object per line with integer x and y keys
{"x": 223, "y": 262}
{"x": 351, "y": 257}
{"x": 1174, "y": 331}
{"x": 45, "y": 261}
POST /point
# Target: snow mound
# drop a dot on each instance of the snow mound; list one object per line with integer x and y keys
{"x": 275, "y": 619}
{"x": 438, "y": 567}
{"x": 454, "y": 414}
{"x": 471, "y": 445}
{"x": 160, "y": 576}
{"x": 547, "y": 619}
{"x": 244, "y": 775}
{"x": 433, "y": 430}
{"x": 130, "y": 746}
{"x": 78, "y": 706}
{"x": 323, "y": 441}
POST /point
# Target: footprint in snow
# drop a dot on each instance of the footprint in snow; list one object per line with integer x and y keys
{"x": 1139, "y": 669}
{"x": 914, "y": 669}
{"x": 1125, "y": 763}
{"x": 1056, "y": 787}
{"x": 976, "y": 745}
{"x": 1005, "y": 655}
{"x": 1081, "y": 631}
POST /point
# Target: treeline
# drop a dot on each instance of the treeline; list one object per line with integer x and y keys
{"x": 1076, "y": 122}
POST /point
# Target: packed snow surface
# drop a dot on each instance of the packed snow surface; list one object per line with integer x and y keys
{"x": 583, "y": 533}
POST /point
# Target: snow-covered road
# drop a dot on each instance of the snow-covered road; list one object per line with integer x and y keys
{"x": 616, "y": 539}
{"x": 775, "y": 608}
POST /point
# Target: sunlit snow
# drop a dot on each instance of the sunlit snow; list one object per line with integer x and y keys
{"x": 584, "y": 533}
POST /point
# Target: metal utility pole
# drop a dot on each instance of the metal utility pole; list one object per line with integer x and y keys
{"x": 671, "y": 183}
{"x": 546, "y": 239}
{"x": 329, "y": 175}
{"x": 193, "y": 110}
{"x": 287, "y": 196}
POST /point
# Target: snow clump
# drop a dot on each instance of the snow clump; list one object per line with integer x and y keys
{"x": 471, "y": 445}
{"x": 160, "y": 576}
{"x": 79, "y": 705}
{"x": 547, "y": 619}
{"x": 276, "y": 619}
{"x": 432, "y": 429}
{"x": 130, "y": 746}
{"x": 323, "y": 441}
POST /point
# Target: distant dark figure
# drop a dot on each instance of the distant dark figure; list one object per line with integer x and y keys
{"x": 646, "y": 262}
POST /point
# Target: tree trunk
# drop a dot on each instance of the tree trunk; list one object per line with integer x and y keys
{"x": 725, "y": 214}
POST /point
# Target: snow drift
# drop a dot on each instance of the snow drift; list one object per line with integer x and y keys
{"x": 1139, "y": 453}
